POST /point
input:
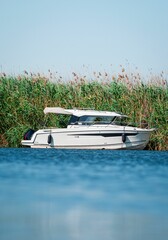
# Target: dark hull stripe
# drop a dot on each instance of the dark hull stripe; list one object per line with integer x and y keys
{"x": 105, "y": 134}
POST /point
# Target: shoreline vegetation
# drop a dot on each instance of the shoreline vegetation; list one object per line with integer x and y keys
{"x": 24, "y": 97}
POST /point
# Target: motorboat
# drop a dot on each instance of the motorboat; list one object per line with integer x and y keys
{"x": 89, "y": 129}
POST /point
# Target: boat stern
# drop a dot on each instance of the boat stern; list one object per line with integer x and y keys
{"x": 27, "y": 143}
{"x": 28, "y": 138}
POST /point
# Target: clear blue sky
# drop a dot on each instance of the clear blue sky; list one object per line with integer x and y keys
{"x": 64, "y": 35}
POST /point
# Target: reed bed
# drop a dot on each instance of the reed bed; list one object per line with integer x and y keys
{"x": 23, "y": 98}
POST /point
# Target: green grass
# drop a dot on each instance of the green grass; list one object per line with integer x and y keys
{"x": 23, "y": 99}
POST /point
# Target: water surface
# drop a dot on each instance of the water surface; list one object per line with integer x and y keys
{"x": 48, "y": 194}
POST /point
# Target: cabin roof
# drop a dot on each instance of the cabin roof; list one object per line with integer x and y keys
{"x": 79, "y": 113}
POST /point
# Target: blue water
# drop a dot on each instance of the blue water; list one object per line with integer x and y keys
{"x": 48, "y": 194}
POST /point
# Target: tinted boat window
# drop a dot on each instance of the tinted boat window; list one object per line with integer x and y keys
{"x": 122, "y": 121}
{"x": 96, "y": 119}
{"x": 73, "y": 120}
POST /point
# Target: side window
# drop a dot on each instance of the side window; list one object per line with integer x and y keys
{"x": 86, "y": 120}
{"x": 98, "y": 120}
{"x": 103, "y": 119}
{"x": 73, "y": 120}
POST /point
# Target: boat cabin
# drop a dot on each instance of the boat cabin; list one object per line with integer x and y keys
{"x": 89, "y": 117}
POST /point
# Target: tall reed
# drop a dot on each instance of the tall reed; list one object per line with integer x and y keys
{"x": 23, "y": 98}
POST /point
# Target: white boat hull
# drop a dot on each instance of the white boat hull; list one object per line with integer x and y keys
{"x": 91, "y": 137}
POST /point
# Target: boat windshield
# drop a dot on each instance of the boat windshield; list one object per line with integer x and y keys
{"x": 89, "y": 120}
{"x": 121, "y": 121}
